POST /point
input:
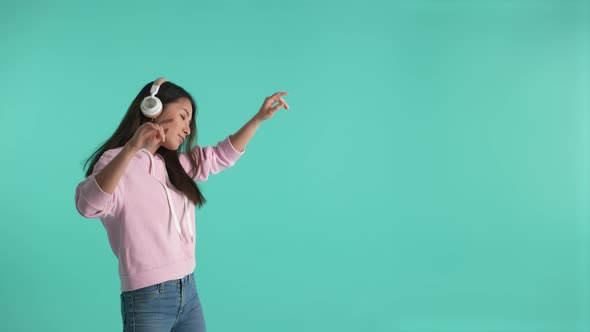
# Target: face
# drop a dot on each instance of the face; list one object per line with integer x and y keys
{"x": 175, "y": 119}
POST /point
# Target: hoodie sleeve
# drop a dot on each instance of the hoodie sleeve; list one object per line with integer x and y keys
{"x": 91, "y": 200}
{"x": 211, "y": 159}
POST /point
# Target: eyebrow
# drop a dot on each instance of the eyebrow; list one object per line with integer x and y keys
{"x": 187, "y": 114}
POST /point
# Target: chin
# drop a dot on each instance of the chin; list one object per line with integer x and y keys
{"x": 171, "y": 146}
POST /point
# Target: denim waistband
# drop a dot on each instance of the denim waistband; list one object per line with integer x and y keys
{"x": 184, "y": 280}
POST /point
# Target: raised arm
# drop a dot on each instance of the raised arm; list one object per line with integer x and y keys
{"x": 241, "y": 138}
{"x": 213, "y": 159}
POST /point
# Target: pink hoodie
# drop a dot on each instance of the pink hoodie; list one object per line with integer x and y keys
{"x": 148, "y": 222}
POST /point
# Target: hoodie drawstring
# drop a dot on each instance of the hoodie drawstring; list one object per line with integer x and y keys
{"x": 171, "y": 205}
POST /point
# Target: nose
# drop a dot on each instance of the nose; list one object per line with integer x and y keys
{"x": 187, "y": 131}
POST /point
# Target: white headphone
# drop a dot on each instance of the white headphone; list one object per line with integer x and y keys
{"x": 151, "y": 106}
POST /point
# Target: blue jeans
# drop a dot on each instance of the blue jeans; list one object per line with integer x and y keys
{"x": 171, "y": 306}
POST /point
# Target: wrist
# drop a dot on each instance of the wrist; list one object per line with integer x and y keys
{"x": 256, "y": 120}
{"x": 130, "y": 148}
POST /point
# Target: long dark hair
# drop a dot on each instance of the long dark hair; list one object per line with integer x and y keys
{"x": 168, "y": 93}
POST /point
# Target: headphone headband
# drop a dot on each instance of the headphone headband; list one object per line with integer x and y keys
{"x": 156, "y": 86}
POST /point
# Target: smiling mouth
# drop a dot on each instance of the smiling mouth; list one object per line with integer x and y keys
{"x": 181, "y": 138}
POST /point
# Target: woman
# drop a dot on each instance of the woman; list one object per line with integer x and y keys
{"x": 141, "y": 184}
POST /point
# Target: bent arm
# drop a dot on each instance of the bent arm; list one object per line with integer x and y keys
{"x": 108, "y": 178}
{"x": 101, "y": 193}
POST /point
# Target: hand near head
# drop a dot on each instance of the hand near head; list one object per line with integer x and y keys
{"x": 267, "y": 110}
{"x": 147, "y": 135}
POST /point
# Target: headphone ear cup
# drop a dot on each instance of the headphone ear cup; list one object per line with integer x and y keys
{"x": 151, "y": 106}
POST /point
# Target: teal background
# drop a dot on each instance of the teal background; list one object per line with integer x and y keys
{"x": 431, "y": 175}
